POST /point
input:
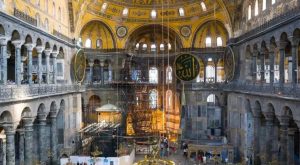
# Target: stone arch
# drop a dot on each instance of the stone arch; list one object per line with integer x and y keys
{"x": 28, "y": 39}
{"x": 6, "y": 117}
{"x": 94, "y": 101}
{"x": 15, "y": 35}
{"x": 47, "y": 45}
{"x": 61, "y": 53}
{"x": 257, "y": 108}
{"x": 26, "y": 113}
{"x": 53, "y": 109}
{"x": 212, "y": 99}
{"x": 39, "y": 42}
{"x": 41, "y": 112}
{"x": 54, "y": 48}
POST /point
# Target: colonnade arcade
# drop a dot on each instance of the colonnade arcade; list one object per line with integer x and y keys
{"x": 28, "y": 61}
{"x": 34, "y": 139}
{"x": 275, "y": 61}
{"x": 272, "y": 137}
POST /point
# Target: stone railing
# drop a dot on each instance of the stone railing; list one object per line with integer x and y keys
{"x": 23, "y": 16}
{"x": 63, "y": 37}
{"x": 12, "y": 92}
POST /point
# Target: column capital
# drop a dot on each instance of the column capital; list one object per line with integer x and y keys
{"x": 91, "y": 64}
{"x": 29, "y": 46}
{"x": 17, "y": 43}
{"x": 3, "y": 41}
{"x": 47, "y": 52}
{"x": 295, "y": 41}
{"x": 9, "y": 128}
{"x": 39, "y": 49}
{"x": 54, "y": 54}
{"x": 21, "y": 131}
{"x": 282, "y": 44}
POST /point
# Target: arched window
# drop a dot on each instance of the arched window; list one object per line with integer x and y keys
{"x": 99, "y": 44}
{"x": 145, "y": 46}
{"x": 125, "y": 12}
{"x": 256, "y": 8}
{"x": 273, "y": 2}
{"x": 153, "y": 75}
{"x": 264, "y": 5}
{"x": 210, "y": 73}
{"x": 104, "y": 7}
{"x": 38, "y": 20}
{"x": 162, "y": 47}
{"x": 208, "y": 42}
{"x": 59, "y": 14}
{"x": 53, "y": 10}
{"x": 203, "y": 6}
{"x": 169, "y": 46}
{"x": 211, "y": 99}
{"x": 153, "y": 14}
{"x": 249, "y": 12}
{"x": 181, "y": 12}
{"x": 46, "y": 24}
{"x": 153, "y": 95}
{"x": 219, "y": 41}
{"x": 88, "y": 43}
{"x": 153, "y": 47}
{"x": 169, "y": 101}
{"x": 137, "y": 46}
{"x": 169, "y": 75}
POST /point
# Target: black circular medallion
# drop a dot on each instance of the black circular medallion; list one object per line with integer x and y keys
{"x": 187, "y": 67}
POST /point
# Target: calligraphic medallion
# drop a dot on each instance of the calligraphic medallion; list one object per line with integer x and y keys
{"x": 121, "y": 31}
{"x": 229, "y": 64}
{"x": 79, "y": 65}
{"x": 185, "y": 31}
{"x": 187, "y": 67}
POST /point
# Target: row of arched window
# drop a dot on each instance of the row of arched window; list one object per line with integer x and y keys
{"x": 256, "y": 8}
{"x": 59, "y": 10}
{"x": 88, "y": 43}
{"x": 208, "y": 42}
{"x": 153, "y": 99}
{"x": 153, "y": 13}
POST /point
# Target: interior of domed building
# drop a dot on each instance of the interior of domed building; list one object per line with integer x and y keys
{"x": 149, "y": 82}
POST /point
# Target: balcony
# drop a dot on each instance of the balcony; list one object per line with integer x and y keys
{"x": 23, "y": 16}
{"x": 13, "y": 93}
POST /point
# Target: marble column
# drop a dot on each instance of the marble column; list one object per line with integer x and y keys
{"x": 91, "y": 64}
{"x": 294, "y": 62}
{"x": 204, "y": 78}
{"x": 17, "y": 45}
{"x": 28, "y": 140}
{"x": 283, "y": 157}
{"x": 272, "y": 69}
{"x": 21, "y": 146}
{"x": 254, "y": 67}
{"x": 10, "y": 144}
{"x": 269, "y": 116}
{"x": 3, "y": 151}
{"x": 281, "y": 62}
{"x": 42, "y": 140}
{"x": 262, "y": 66}
{"x": 40, "y": 66}
{"x": 53, "y": 139}
{"x": 102, "y": 71}
{"x": 3, "y": 44}
{"x": 216, "y": 71}
{"x": 290, "y": 146}
{"x": 54, "y": 57}
{"x": 47, "y": 53}
{"x": 29, "y": 52}
{"x": 256, "y": 145}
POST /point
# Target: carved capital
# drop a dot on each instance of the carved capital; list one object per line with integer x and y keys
{"x": 284, "y": 121}
{"x": 282, "y": 44}
{"x": 39, "y": 49}
{"x": 9, "y": 128}
{"x": 269, "y": 116}
{"x": 29, "y": 46}
{"x": 292, "y": 131}
{"x": 17, "y": 44}
{"x": 47, "y": 52}
{"x": 54, "y": 54}
{"x": 3, "y": 41}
